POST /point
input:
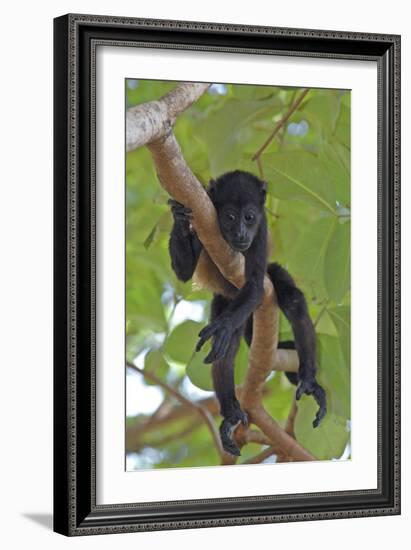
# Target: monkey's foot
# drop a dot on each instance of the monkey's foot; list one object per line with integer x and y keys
{"x": 310, "y": 386}
{"x": 227, "y": 429}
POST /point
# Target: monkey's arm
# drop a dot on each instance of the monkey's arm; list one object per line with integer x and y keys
{"x": 242, "y": 305}
{"x": 184, "y": 245}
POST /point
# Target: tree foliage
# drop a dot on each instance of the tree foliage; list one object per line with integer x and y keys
{"x": 307, "y": 168}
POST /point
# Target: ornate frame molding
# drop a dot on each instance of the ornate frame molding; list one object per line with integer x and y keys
{"x": 76, "y": 40}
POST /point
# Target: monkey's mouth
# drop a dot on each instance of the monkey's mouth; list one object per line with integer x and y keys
{"x": 240, "y": 246}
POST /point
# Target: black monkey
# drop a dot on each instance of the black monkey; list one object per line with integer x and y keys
{"x": 239, "y": 201}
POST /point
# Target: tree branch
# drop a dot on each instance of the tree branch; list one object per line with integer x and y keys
{"x": 204, "y": 413}
{"x": 278, "y": 436}
{"x": 167, "y": 414}
{"x": 138, "y": 444}
{"x": 150, "y": 121}
{"x": 254, "y": 436}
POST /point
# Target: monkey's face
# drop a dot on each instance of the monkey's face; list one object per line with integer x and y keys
{"x": 239, "y": 225}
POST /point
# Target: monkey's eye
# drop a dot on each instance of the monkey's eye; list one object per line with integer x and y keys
{"x": 230, "y": 216}
{"x": 249, "y": 217}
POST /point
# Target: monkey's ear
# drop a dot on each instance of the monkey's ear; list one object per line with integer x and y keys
{"x": 263, "y": 191}
{"x": 211, "y": 188}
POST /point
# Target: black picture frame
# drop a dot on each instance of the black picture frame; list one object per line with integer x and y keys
{"x": 75, "y": 509}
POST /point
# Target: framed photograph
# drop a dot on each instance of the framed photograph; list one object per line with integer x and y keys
{"x": 227, "y": 277}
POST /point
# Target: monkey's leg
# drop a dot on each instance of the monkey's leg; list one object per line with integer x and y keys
{"x": 223, "y": 381}
{"x": 292, "y": 302}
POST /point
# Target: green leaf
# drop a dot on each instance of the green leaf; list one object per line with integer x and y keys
{"x": 329, "y": 439}
{"x": 280, "y": 396}
{"x": 144, "y": 308}
{"x": 156, "y": 364}
{"x": 337, "y": 263}
{"x": 286, "y": 229}
{"x": 324, "y": 108}
{"x": 244, "y": 92}
{"x": 334, "y": 375}
{"x": 306, "y": 259}
{"x": 150, "y": 237}
{"x": 228, "y": 129}
{"x": 335, "y": 161}
{"x": 198, "y": 372}
{"x": 181, "y": 343}
{"x": 300, "y": 175}
{"x": 343, "y": 127}
{"x": 341, "y": 319}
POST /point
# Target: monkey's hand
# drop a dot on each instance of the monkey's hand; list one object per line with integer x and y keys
{"x": 310, "y": 386}
{"x": 181, "y": 215}
{"x": 222, "y": 331}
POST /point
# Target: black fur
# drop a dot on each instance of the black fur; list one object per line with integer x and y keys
{"x": 239, "y": 200}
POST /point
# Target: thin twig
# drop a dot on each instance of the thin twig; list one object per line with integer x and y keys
{"x": 167, "y": 413}
{"x": 260, "y": 168}
{"x": 175, "y": 413}
{"x": 280, "y": 124}
{"x": 159, "y": 443}
{"x": 205, "y": 414}
{"x": 282, "y": 136}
